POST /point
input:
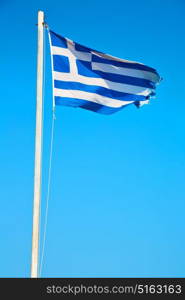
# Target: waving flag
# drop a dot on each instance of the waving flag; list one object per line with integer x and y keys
{"x": 86, "y": 78}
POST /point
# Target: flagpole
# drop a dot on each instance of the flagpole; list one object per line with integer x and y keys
{"x": 38, "y": 149}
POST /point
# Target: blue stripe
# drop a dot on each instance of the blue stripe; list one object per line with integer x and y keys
{"x": 57, "y": 40}
{"x": 126, "y": 79}
{"x": 136, "y": 66}
{"x": 81, "y": 48}
{"x": 70, "y": 85}
{"x": 85, "y": 69}
{"x": 106, "y": 110}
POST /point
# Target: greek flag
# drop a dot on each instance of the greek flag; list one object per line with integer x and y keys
{"x": 86, "y": 78}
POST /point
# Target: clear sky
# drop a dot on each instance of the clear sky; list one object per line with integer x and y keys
{"x": 117, "y": 204}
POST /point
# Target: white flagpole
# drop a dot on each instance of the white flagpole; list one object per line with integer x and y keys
{"x": 38, "y": 149}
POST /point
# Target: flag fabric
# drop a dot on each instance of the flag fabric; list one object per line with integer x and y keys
{"x": 86, "y": 78}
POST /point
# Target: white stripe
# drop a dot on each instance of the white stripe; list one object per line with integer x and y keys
{"x": 86, "y": 56}
{"x": 72, "y": 59}
{"x": 120, "y": 87}
{"x": 124, "y": 71}
{"x": 75, "y": 94}
{"x": 66, "y": 52}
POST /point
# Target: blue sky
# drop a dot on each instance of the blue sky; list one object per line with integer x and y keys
{"x": 117, "y": 195}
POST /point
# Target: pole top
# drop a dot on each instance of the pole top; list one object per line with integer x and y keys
{"x": 40, "y": 12}
{"x": 40, "y": 18}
